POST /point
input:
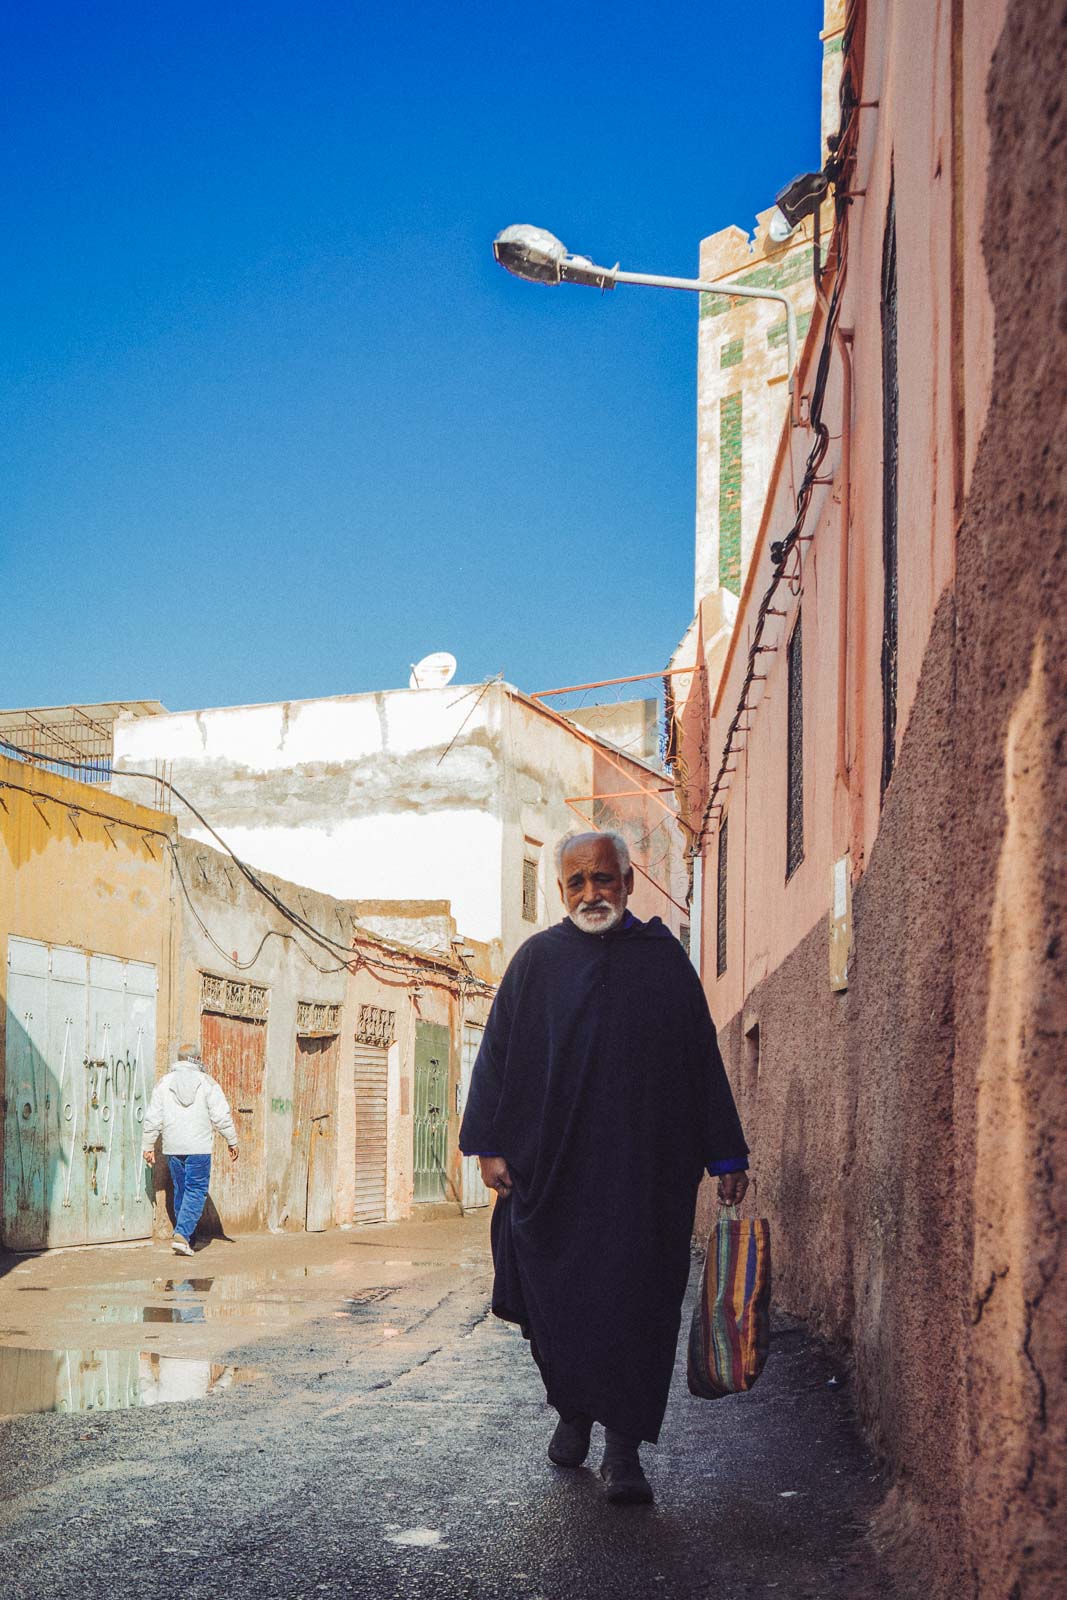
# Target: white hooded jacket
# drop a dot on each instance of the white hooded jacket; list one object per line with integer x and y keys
{"x": 187, "y": 1106}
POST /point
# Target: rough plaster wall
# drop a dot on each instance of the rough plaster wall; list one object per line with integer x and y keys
{"x": 1011, "y": 993}
{"x": 854, "y": 1151}
{"x": 237, "y": 919}
{"x": 917, "y": 1186}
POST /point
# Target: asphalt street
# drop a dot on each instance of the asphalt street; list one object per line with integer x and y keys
{"x": 359, "y": 1424}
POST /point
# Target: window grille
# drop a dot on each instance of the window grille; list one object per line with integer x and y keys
{"x": 529, "y": 890}
{"x": 720, "y": 899}
{"x": 890, "y": 472}
{"x": 794, "y": 849}
{"x": 232, "y": 998}
{"x": 63, "y": 740}
{"x": 313, "y": 1016}
{"x": 376, "y": 1026}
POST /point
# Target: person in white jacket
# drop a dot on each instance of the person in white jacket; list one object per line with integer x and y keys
{"x": 187, "y": 1107}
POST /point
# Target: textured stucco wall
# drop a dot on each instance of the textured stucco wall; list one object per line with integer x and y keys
{"x": 1011, "y": 934}
{"x": 909, "y": 1133}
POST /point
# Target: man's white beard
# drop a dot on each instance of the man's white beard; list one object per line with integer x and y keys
{"x": 600, "y": 919}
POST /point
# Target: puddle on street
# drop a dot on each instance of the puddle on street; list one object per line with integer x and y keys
{"x": 79, "y": 1381}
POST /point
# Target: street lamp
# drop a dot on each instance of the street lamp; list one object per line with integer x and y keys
{"x": 537, "y": 255}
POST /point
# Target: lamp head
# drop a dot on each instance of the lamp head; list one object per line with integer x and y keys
{"x": 529, "y": 252}
{"x": 780, "y": 227}
{"x": 800, "y": 197}
{"x": 537, "y": 255}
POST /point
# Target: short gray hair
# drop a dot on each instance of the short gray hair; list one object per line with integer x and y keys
{"x": 622, "y": 849}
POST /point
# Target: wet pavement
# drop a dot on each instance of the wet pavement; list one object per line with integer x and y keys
{"x": 338, "y": 1414}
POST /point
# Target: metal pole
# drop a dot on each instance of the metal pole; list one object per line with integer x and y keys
{"x": 698, "y": 286}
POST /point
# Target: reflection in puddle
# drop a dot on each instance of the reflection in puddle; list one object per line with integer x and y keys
{"x": 106, "y": 1380}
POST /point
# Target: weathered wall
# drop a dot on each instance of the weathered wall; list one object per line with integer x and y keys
{"x": 848, "y": 1101}
{"x": 742, "y": 391}
{"x": 222, "y": 918}
{"x": 1009, "y": 841}
{"x": 548, "y": 766}
{"x": 82, "y": 867}
{"x": 416, "y": 795}
{"x": 907, "y": 1131}
{"x": 231, "y": 931}
{"x": 361, "y": 796}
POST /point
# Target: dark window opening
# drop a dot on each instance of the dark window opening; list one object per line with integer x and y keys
{"x": 890, "y": 466}
{"x": 720, "y": 899}
{"x": 752, "y": 1058}
{"x": 529, "y": 891}
{"x": 794, "y": 849}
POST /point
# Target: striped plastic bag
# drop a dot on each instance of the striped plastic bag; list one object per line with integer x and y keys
{"x": 730, "y": 1332}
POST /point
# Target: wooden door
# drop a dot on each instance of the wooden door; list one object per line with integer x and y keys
{"x": 234, "y": 1051}
{"x": 372, "y": 1108}
{"x": 314, "y": 1100}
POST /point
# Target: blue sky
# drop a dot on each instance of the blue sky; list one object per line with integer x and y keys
{"x": 274, "y": 424}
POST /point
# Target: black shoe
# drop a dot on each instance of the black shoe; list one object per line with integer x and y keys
{"x": 569, "y": 1445}
{"x": 625, "y": 1483}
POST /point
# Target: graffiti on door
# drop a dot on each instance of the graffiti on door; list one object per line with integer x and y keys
{"x": 80, "y": 1063}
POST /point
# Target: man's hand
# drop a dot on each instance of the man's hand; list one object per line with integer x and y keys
{"x": 733, "y": 1186}
{"x": 150, "y": 1157}
{"x": 495, "y": 1174}
{"x": 233, "y": 1152}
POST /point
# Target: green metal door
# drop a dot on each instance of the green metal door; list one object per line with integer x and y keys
{"x": 431, "y": 1110}
{"x": 80, "y": 1058}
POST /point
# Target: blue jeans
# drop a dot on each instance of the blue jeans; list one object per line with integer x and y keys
{"x": 190, "y": 1176}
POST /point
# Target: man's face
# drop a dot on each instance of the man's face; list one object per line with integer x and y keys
{"x": 594, "y": 891}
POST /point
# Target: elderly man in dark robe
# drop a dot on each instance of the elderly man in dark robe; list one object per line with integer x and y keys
{"x": 597, "y": 1101}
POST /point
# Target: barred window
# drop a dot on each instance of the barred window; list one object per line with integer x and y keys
{"x": 720, "y": 898}
{"x": 232, "y": 998}
{"x": 315, "y": 1016}
{"x": 376, "y": 1026}
{"x": 794, "y": 847}
{"x": 529, "y": 890}
{"x": 890, "y": 439}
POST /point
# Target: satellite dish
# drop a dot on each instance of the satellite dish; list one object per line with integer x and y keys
{"x": 433, "y": 671}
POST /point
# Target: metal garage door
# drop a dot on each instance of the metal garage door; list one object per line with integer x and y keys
{"x": 80, "y": 1063}
{"x": 372, "y": 1111}
{"x": 474, "y": 1191}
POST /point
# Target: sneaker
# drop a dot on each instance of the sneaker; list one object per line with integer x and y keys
{"x": 625, "y": 1483}
{"x": 181, "y": 1247}
{"x": 569, "y": 1445}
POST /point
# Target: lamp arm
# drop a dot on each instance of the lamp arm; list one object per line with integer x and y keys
{"x": 697, "y": 285}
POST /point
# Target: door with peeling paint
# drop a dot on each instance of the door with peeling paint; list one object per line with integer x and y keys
{"x": 80, "y": 1060}
{"x": 314, "y": 1097}
{"x": 431, "y": 1110}
{"x": 235, "y": 1053}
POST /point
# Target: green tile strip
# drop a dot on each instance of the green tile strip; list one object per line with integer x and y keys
{"x": 833, "y": 47}
{"x": 775, "y": 275}
{"x": 732, "y": 352}
{"x": 730, "y": 492}
{"x": 776, "y": 335}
